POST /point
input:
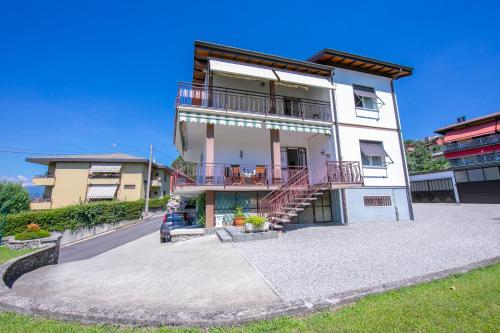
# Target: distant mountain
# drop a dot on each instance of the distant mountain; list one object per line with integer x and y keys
{"x": 34, "y": 191}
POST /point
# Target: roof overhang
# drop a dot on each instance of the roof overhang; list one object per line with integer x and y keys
{"x": 204, "y": 50}
{"x": 359, "y": 63}
{"x": 471, "y": 122}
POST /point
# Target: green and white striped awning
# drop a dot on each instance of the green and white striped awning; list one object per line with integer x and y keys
{"x": 243, "y": 122}
{"x": 219, "y": 120}
{"x": 293, "y": 127}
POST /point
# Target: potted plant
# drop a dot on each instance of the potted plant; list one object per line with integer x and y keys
{"x": 239, "y": 216}
{"x": 256, "y": 224}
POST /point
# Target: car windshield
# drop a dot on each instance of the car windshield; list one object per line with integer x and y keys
{"x": 176, "y": 217}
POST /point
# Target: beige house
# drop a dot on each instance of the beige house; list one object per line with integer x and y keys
{"x": 72, "y": 179}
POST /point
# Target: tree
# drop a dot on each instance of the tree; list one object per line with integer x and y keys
{"x": 420, "y": 159}
{"x": 187, "y": 168}
{"x": 13, "y": 198}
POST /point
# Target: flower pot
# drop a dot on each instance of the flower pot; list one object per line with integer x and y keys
{"x": 239, "y": 221}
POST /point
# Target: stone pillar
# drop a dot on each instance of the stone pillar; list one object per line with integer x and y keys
{"x": 275, "y": 155}
{"x": 209, "y": 209}
{"x": 209, "y": 154}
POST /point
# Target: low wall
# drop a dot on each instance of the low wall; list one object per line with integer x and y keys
{"x": 38, "y": 243}
{"x": 13, "y": 269}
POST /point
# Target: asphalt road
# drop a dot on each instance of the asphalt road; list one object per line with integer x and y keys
{"x": 97, "y": 245}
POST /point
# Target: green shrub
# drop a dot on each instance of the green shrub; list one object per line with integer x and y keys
{"x": 25, "y": 235}
{"x": 257, "y": 221}
{"x": 238, "y": 211}
{"x": 76, "y": 217}
{"x": 159, "y": 203}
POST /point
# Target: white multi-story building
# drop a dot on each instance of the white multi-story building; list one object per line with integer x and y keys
{"x": 297, "y": 141}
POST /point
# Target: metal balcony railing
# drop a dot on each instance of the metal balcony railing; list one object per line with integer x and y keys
{"x": 477, "y": 142}
{"x": 45, "y": 175}
{"x": 227, "y": 99}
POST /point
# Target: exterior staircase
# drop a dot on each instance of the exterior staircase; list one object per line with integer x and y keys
{"x": 301, "y": 190}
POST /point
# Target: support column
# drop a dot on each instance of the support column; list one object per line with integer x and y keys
{"x": 209, "y": 209}
{"x": 275, "y": 155}
{"x": 209, "y": 154}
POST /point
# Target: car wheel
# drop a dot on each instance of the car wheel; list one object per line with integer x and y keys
{"x": 169, "y": 239}
{"x": 162, "y": 240}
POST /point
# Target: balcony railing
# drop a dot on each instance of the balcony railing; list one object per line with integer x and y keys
{"x": 475, "y": 160}
{"x": 477, "y": 142}
{"x": 202, "y": 174}
{"x": 44, "y": 176}
{"x": 41, "y": 199}
{"x": 227, "y": 99}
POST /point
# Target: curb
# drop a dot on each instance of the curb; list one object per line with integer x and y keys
{"x": 9, "y": 301}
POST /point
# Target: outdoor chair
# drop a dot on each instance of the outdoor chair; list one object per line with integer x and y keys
{"x": 260, "y": 175}
{"x": 236, "y": 177}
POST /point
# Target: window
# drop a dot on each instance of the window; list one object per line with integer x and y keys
{"x": 365, "y": 98}
{"x": 373, "y": 154}
{"x": 129, "y": 187}
{"x": 374, "y": 201}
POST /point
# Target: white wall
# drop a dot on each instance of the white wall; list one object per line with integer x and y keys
{"x": 230, "y": 140}
{"x": 346, "y": 110}
{"x": 349, "y": 143}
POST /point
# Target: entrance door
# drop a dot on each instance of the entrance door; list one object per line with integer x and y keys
{"x": 291, "y": 160}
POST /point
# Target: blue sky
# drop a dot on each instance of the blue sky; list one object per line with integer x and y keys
{"x": 101, "y": 76}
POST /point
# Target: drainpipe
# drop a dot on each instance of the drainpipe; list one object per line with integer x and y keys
{"x": 333, "y": 102}
{"x": 401, "y": 147}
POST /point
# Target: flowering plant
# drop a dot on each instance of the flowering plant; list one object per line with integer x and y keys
{"x": 173, "y": 204}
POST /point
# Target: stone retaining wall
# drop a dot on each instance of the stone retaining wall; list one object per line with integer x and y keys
{"x": 13, "y": 269}
{"x": 14, "y": 244}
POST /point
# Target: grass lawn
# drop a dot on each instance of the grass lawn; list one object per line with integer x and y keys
{"x": 462, "y": 303}
{"x": 6, "y": 254}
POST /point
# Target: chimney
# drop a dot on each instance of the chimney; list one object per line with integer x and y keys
{"x": 460, "y": 119}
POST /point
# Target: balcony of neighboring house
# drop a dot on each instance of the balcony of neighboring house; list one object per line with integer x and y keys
{"x": 41, "y": 203}
{"x": 104, "y": 174}
{"x": 489, "y": 158}
{"x": 46, "y": 179}
{"x": 156, "y": 182}
{"x": 473, "y": 143}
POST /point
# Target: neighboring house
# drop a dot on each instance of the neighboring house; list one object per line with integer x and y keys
{"x": 297, "y": 141}
{"x": 71, "y": 179}
{"x": 472, "y": 148}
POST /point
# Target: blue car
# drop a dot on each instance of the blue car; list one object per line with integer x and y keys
{"x": 173, "y": 221}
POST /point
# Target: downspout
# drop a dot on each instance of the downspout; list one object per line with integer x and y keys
{"x": 333, "y": 101}
{"x": 401, "y": 147}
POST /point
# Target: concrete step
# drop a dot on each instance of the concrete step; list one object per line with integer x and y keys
{"x": 223, "y": 235}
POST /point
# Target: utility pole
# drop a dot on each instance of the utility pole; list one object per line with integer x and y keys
{"x": 148, "y": 186}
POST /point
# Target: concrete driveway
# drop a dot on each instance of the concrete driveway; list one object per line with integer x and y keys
{"x": 197, "y": 275}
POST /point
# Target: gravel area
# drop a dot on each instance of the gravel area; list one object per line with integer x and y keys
{"x": 315, "y": 261}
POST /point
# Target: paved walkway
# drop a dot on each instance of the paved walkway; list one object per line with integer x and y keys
{"x": 318, "y": 261}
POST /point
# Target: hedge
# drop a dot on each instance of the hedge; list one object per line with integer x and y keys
{"x": 81, "y": 216}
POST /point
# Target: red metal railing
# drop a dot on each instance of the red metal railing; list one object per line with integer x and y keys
{"x": 305, "y": 184}
{"x": 225, "y": 174}
{"x": 251, "y": 102}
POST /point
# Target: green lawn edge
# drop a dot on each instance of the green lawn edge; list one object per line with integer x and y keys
{"x": 6, "y": 254}
{"x": 468, "y": 302}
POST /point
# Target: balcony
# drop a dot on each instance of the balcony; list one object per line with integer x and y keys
{"x": 339, "y": 174}
{"x": 156, "y": 182}
{"x": 44, "y": 180}
{"x": 475, "y": 160}
{"x": 477, "y": 142}
{"x": 234, "y": 100}
{"x": 40, "y": 203}
{"x": 96, "y": 180}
